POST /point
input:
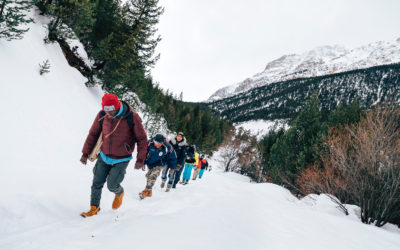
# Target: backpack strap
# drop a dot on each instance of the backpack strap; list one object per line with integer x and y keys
{"x": 129, "y": 119}
{"x": 101, "y": 117}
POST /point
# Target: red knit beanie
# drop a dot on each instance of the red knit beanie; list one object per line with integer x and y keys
{"x": 110, "y": 102}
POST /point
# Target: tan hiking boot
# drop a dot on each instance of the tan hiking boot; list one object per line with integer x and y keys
{"x": 167, "y": 189}
{"x": 93, "y": 211}
{"x": 117, "y": 201}
{"x": 146, "y": 193}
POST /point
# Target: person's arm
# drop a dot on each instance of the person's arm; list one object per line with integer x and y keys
{"x": 92, "y": 137}
{"x": 141, "y": 139}
{"x": 196, "y": 157}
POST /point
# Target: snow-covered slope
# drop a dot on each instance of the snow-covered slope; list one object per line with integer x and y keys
{"x": 260, "y": 128}
{"x": 317, "y": 62}
{"x": 43, "y": 187}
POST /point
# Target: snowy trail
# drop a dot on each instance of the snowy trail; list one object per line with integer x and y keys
{"x": 221, "y": 211}
{"x": 43, "y": 187}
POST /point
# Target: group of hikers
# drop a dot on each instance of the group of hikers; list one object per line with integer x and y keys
{"x": 111, "y": 141}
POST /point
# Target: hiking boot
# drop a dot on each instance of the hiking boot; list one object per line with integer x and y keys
{"x": 93, "y": 211}
{"x": 167, "y": 190}
{"x": 146, "y": 193}
{"x": 163, "y": 184}
{"x": 117, "y": 201}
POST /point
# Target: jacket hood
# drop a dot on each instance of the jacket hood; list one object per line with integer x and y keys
{"x": 126, "y": 109}
{"x": 181, "y": 143}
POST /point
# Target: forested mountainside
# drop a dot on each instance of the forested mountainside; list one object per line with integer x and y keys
{"x": 323, "y": 60}
{"x": 282, "y": 100}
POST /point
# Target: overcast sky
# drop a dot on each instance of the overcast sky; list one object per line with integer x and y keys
{"x": 208, "y": 44}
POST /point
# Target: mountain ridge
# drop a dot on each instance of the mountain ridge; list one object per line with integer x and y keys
{"x": 282, "y": 100}
{"x": 322, "y": 60}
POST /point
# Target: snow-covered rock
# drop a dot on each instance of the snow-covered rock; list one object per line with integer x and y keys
{"x": 320, "y": 61}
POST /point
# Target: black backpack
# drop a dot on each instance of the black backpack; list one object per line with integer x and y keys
{"x": 190, "y": 156}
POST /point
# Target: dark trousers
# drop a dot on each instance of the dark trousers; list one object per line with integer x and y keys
{"x": 166, "y": 175}
{"x": 113, "y": 174}
{"x": 176, "y": 176}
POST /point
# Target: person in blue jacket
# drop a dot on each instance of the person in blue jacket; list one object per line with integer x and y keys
{"x": 159, "y": 154}
{"x": 180, "y": 146}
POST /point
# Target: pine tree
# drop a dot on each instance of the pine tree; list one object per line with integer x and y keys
{"x": 71, "y": 18}
{"x": 299, "y": 147}
{"x": 310, "y": 131}
{"x": 12, "y": 16}
{"x": 344, "y": 115}
{"x": 44, "y": 67}
{"x": 125, "y": 55}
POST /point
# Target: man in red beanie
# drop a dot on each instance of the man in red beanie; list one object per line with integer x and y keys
{"x": 120, "y": 129}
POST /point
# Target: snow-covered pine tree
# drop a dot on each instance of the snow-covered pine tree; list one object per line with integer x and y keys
{"x": 44, "y": 68}
{"x": 12, "y": 17}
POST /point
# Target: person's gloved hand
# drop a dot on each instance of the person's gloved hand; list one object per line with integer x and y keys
{"x": 178, "y": 166}
{"x": 84, "y": 159}
{"x": 139, "y": 165}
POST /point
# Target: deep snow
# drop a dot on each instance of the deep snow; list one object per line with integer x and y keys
{"x": 43, "y": 187}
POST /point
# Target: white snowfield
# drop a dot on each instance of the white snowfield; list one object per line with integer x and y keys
{"x": 43, "y": 187}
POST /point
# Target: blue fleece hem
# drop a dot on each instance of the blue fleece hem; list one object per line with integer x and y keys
{"x": 111, "y": 161}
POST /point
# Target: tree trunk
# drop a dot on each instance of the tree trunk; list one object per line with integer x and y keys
{"x": 134, "y": 26}
{"x": 3, "y": 5}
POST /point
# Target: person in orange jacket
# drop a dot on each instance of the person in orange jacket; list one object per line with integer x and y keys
{"x": 204, "y": 166}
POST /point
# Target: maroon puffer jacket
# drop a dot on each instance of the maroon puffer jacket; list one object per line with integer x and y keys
{"x": 121, "y": 143}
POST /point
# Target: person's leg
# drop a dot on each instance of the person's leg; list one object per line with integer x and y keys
{"x": 170, "y": 179}
{"x": 201, "y": 173}
{"x": 100, "y": 173}
{"x": 189, "y": 173}
{"x": 195, "y": 172}
{"x": 152, "y": 175}
{"x": 164, "y": 175}
{"x": 177, "y": 176}
{"x": 116, "y": 176}
{"x": 185, "y": 172}
{"x": 174, "y": 177}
